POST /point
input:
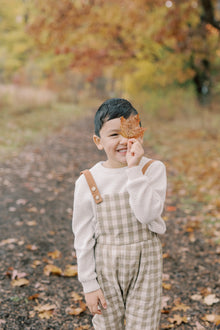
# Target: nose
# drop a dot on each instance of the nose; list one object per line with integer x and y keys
{"x": 123, "y": 140}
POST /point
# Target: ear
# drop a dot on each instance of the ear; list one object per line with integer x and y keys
{"x": 97, "y": 141}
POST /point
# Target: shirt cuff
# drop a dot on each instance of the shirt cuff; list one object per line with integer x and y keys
{"x": 90, "y": 286}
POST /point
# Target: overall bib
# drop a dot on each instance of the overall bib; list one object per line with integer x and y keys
{"x": 128, "y": 260}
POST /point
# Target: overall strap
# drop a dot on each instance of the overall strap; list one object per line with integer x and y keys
{"x": 145, "y": 167}
{"x": 92, "y": 186}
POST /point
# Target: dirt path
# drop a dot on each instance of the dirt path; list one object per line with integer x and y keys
{"x": 35, "y": 218}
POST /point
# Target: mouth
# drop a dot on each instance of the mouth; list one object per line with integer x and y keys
{"x": 122, "y": 150}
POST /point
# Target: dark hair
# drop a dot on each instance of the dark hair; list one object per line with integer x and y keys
{"x": 111, "y": 109}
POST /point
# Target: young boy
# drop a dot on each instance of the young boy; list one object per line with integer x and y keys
{"x": 116, "y": 219}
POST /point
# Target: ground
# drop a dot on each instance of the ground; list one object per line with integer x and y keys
{"x": 36, "y": 209}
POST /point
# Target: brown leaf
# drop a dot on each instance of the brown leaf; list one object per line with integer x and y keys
{"x": 76, "y": 310}
{"x": 171, "y": 208}
{"x": 20, "y": 282}
{"x": 35, "y": 296}
{"x": 55, "y": 254}
{"x": 180, "y": 307}
{"x": 166, "y": 286}
{"x": 31, "y": 247}
{"x": 178, "y": 319}
{"x": 31, "y": 223}
{"x": 52, "y": 269}
{"x": 70, "y": 270}
{"x": 36, "y": 263}
{"x": 45, "y": 311}
{"x": 8, "y": 241}
{"x": 130, "y": 128}
{"x": 212, "y": 318}
{"x": 211, "y": 299}
{"x": 75, "y": 296}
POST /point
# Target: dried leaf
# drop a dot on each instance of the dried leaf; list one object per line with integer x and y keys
{"x": 130, "y": 128}
{"x": 171, "y": 208}
{"x": 36, "y": 263}
{"x": 52, "y": 269}
{"x": 8, "y": 241}
{"x": 20, "y": 282}
{"x": 31, "y": 223}
{"x": 75, "y": 296}
{"x": 21, "y": 201}
{"x": 16, "y": 275}
{"x": 211, "y": 300}
{"x": 196, "y": 297}
{"x": 35, "y": 296}
{"x": 180, "y": 307}
{"x": 70, "y": 270}
{"x": 178, "y": 319}
{"x": 43, "y": 308}
{"x": 212, "y": 318}
{"x": 45, "y": 311}
{"x": 166, "y": 286}
{"x": 55, "y": 254}
{"x": 31, "y": 247}
{"x": 76, "y": 310}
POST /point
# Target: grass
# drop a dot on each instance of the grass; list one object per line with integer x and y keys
{"x": 28, "y": 115}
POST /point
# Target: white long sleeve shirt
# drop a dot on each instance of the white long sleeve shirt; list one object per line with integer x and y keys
{"x": 147, "y": 195}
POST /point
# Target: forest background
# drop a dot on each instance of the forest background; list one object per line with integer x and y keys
{"x": 60, "y": 59}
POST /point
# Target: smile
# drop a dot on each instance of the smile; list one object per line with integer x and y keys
{"x": 122, "y": 150}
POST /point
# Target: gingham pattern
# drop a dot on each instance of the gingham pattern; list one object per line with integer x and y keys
{"x": 129, "y": 268}
{"x": 118, "y": 224}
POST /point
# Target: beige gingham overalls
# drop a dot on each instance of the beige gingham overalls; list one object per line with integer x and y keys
{"x": 128, "y": 264}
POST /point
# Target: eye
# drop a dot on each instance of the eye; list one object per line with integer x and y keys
{"x": 115, "y": 134}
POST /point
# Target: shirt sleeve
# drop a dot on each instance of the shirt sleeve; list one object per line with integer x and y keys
{"x": 147, "y": 192}
{"x": 83, "y": 229}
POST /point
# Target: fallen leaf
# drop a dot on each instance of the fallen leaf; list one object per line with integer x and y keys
{"x": 45, "y": 311}
{"x": 211, "y": 300}
{"x": 75, "y": 296}
{"x": 212, "y": 318}
{"x": 36, "y": 263}
{"x": 76, "y": 310}
{"x": 31, "y": 223}
{"x": 16, "y": 275}
{"x": 178, "y": 319}
{"x": 32, "y": 209}
{"x": 21, "y": 201}
{"x": 52, "y": 269}
{"x": 165, "y": 255}
{"x": 166, "y": 286}
{"x": 130, "y": 128}
{"x": 199, "y": 326}
{"x": 196, "y": 297}
{"x": 20, "y": 282}
{"x": 43, "y": 308}
{"x": 55, "y": 254}
{"x": 35, "y": 296}
{"x": 70, "y": 270}
{"x": 171, "y": 208}
{"x": 8, "y": 241}
{"x": 180, "y": 307}
{"x": 31, "y": 247}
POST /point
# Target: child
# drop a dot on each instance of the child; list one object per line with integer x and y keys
{"x": 116, "y": 219}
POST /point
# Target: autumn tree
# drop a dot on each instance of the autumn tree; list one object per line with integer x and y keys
{"x": 170, "y": 41}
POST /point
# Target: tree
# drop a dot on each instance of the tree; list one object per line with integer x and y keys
{"x": 178, "y": 40}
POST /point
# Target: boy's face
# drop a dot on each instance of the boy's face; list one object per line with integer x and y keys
{"x": 113, "y": 143}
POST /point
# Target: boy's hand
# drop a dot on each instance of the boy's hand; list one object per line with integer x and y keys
{"x": 94, "y": 300}
{"x": 135, "y": 152}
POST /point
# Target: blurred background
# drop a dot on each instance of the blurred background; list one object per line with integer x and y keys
{"x": 60, "y": 59}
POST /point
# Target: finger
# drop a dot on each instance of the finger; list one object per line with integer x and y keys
{"x": 103, "y": 301}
